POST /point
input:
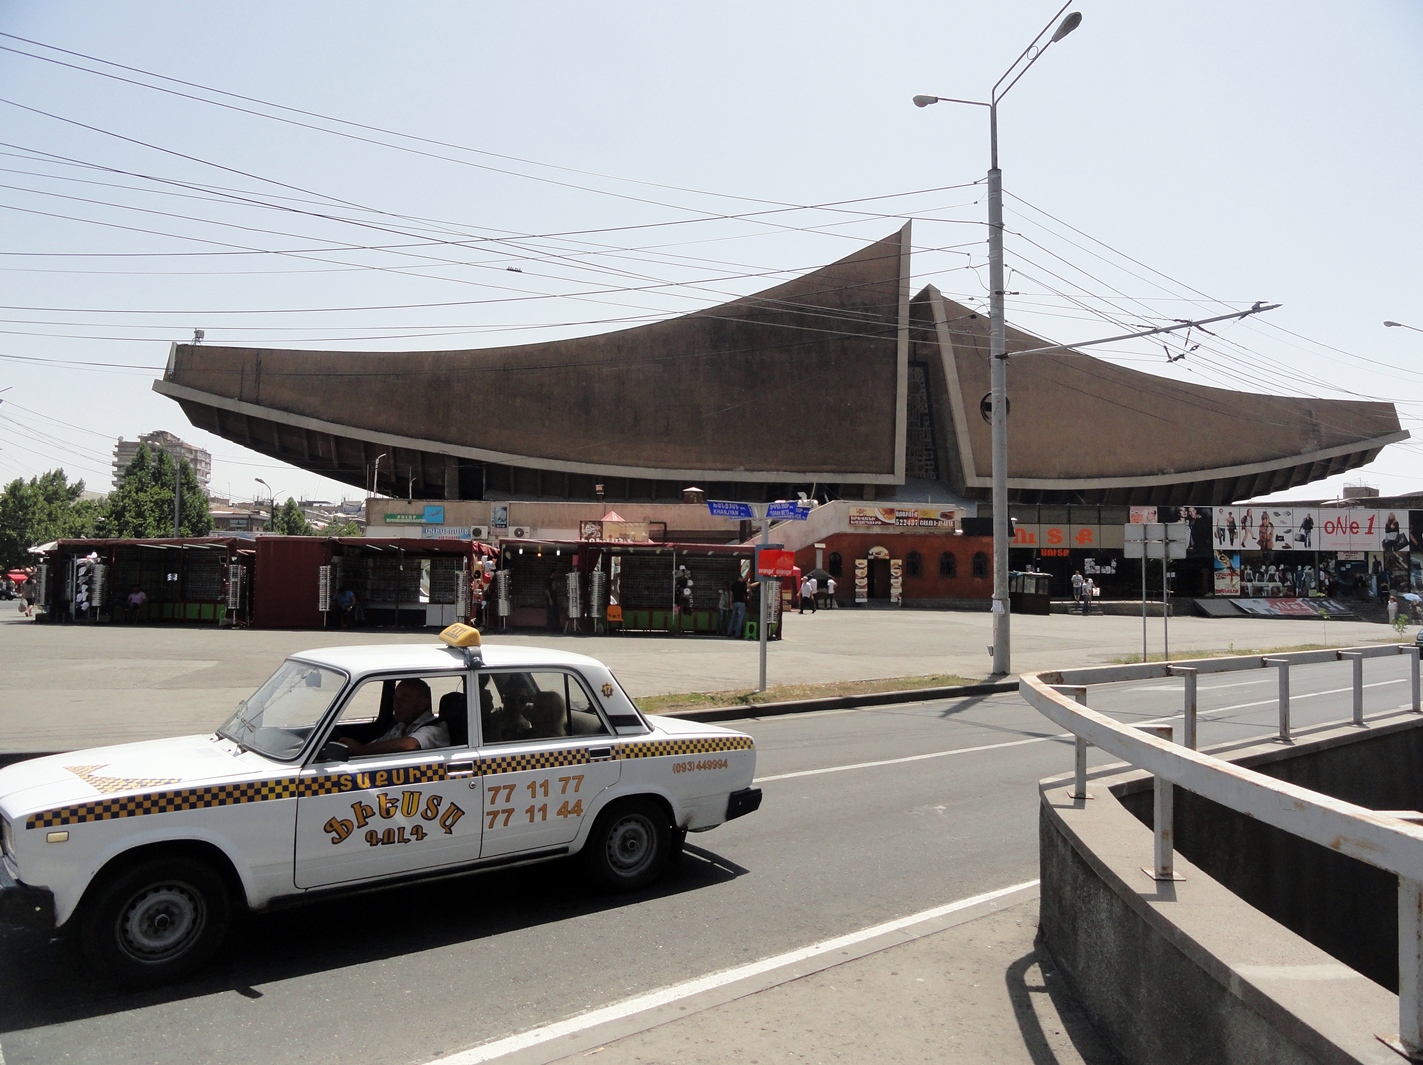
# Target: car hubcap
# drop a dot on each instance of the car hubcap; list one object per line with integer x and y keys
{"x": 630, "y": 846}
{"x": 161, "y": 922}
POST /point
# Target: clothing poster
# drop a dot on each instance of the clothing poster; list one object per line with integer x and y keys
{"x": 1282, "y": 526}
{"x": 1225, "y": 526}
{"x": 1227, "y": 573}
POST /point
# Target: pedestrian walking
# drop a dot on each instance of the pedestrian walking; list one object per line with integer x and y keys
{"x": 1392, "y": 609}
{"x": 807, "y": 594}
{"x": 723, "y": 606}
{"x": 1077, "y": 587}
{"x": 830, "y": 593}
{"x": 1088, "y": 587}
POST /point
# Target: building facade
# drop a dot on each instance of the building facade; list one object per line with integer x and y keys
{"x": 159, "y": 440}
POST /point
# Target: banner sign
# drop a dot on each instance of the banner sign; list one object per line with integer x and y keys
{"x": 902, "y": 517}
{"x": 434, "y": 514}
{"x": 774, "y": 562}
{"x": 405, "y": 519}
{"x": 1291, "y": 608}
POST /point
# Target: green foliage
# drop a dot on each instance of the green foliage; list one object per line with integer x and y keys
{"x": 143, "y": 505}
{"x": 42, "y": 509}
{"x": 289, "y": 520}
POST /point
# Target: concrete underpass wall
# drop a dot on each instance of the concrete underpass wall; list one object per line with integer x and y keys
{"x": 1341, "y": 905}
{"x": 1191, "y": 972}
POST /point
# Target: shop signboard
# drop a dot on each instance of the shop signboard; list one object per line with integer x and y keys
{"x": 774, "y": 562}
{"x": 434, "y": 514}
{"x": 1059, "y": 536}
{"x": 1350, "y": 530}
{"x": 405, "y": 519}
{"x": 446, "y": 532}
{"x": 1142, "y": 515}
{"x": 902, "y": 517}
{"x": 862, "y": 580}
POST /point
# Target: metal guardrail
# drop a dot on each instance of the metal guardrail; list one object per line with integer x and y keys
{"x": 1383, "y": 839}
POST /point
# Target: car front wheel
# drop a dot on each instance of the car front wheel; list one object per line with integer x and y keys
{"x": 156, "y": 921}
{"x": 629, "y": 845}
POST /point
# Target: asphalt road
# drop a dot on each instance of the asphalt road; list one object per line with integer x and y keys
{"x": 869, "y": 814}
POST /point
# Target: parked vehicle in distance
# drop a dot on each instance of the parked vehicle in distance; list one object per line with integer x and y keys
{"x": 352, "y": 767}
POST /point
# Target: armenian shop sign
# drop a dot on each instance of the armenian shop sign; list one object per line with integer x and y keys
{"x": 902, "y": 517}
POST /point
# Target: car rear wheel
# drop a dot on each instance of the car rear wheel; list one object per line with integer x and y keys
{"x": 629, "y": 846}
{"x": 156, "y": 921}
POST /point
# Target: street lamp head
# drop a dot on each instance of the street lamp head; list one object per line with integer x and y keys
{"x": 1391, "y": 325}
{"x": 925, "y": 101}
{"x": 1067, "y": 26}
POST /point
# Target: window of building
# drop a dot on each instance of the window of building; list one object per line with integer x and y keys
{"x": 914, "y": 564}
{"x": 980, "y": 564}
{"x": 835, "y": 565}
{"x": 948, "y": 564}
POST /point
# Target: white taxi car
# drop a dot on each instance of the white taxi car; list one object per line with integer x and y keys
{"x": 502, "y": 756}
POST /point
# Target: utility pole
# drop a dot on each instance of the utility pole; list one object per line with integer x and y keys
{"x": 177, "y": 500}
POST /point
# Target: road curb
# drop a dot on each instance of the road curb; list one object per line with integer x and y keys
{"x": 841, "y": 702}
{"x": 740, "y": 713}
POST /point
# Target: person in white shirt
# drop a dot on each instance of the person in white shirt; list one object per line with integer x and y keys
{"x": 415, "y": 728}
{"x": 830, "y": 592}
{"x": 807, "y": 594}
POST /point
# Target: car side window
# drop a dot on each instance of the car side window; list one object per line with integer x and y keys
{"x": 536, "y": 705}
{"x": 369, "y": 714}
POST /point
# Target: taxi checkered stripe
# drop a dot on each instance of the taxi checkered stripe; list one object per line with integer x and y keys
{"x": 518, "y": 763}
{"x": 706, "y": 745}
{"x": 165, "y": 802}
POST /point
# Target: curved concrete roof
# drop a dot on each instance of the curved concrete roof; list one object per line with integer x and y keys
{"x": 805, "y": 382}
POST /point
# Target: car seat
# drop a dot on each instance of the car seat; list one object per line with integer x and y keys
{"x": 454, "y": 714}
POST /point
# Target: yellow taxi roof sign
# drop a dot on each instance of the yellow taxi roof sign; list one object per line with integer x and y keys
{"x": 458, "y": 635}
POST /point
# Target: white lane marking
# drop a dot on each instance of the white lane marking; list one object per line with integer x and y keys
{"x": 652, "y": 1000}
{"x": 1200, "y": 687}
{"x": 909, "y": 758}
{"x": 1045, "y": 739}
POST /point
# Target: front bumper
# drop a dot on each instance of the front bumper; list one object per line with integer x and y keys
{"x": 743, "y": 802}
{"x": 23, "y": 905}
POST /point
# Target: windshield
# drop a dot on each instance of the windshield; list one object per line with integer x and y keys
{"x": 277, "y": 719}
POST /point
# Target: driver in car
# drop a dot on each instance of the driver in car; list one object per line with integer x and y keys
{"x": 415, "y": 727}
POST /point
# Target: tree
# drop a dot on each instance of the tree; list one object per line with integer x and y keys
{"x": 142, "y": 506}
{"x": 289, "y": 520}
{"x": 45, "y": 508}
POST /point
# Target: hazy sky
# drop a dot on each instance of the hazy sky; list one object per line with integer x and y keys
{"x": 512, "y": 173}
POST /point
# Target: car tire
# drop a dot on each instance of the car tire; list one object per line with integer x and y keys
{"x": 629, "y": 846}
{"x": 156, "y": 921}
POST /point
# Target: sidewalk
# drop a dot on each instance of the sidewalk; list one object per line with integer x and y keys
{"x": 971, "y": 986}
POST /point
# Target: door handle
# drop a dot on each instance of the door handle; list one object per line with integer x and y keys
{"x": 459, "y": 769}
{"x": 600, "y": 754}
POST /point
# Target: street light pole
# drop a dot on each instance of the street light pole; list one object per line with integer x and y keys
{"x": 271, "y": 503}
{"x": 997, "y": 330}
{"x": 1403, "y": 325}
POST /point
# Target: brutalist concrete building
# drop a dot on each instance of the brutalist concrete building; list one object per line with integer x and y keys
{"x": 842, "y": 382}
